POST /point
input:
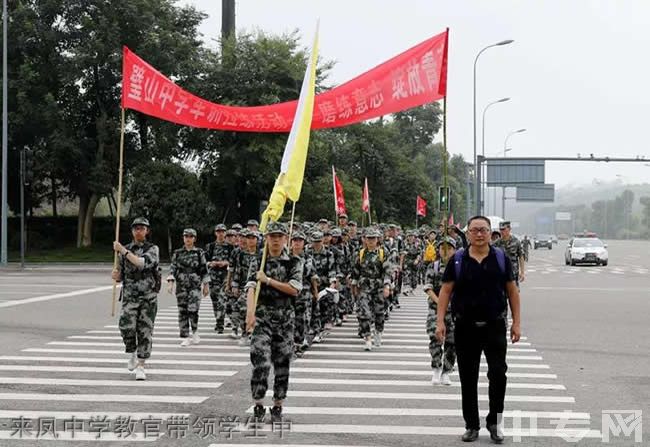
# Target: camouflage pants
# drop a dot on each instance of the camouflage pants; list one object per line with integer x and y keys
{"x": 412, "y": 272}
{"x": 238, "y": 316}
{"x": 136, "y": 324}
{"x": 188, "y": 302}
{"x": 370, "y": 306}
{"x": 446, "y": 350}
{"x": 315, "y": 321}
{"x": 218, "y": 297}
{"x": 272, "y": 344}
{"x": 303, "y": 315}
{"x": 345, "y": 301}
{"x": 327, "y": 310}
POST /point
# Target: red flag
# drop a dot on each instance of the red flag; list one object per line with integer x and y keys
{"x": 451, "y": 219}
{"x": 412, "y": 78}
{"x": 421, "y": 207}
{"x": 365, "y": 199}
{"x": 339, "y": 198}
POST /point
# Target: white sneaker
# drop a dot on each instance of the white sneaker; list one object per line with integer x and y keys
{"x": 186, "y": 342}
{"x": 132, "y": 363}
{"x": 368, "y": 345}
{"x": 436, "y": 376}
{"x": 245, "y": 340}
{"x": 377, "y": 340}
{"x": 195, "y": 338}
{"x": 317, "y": 339}
{"x": 234, "y": 334}
{"x": 444, "y": 379}
{"x": 139, "y": 373}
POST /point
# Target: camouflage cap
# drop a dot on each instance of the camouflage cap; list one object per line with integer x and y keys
{"x": 336, "y": 232}
{"x": 504, "y": 224}
{"x": 237, "y": 227}
{"x": 372, "y": 232}
{"x": 323, "y": 220}
{"x": 447, "y": 240}
{"x": 275, "y": 228}
{"x": 317, "y": 236}
{"x": 298, "y": 235}
{"x": 352, "y": 223}
{"x": 343, "y": 216}
{"x": 253, "y": 222}
{"x": 327, "y": 232}
{"x": 231, "y": 232}
{"x": 245, "y": 232}
{"x": 189, "y": 232}
{"x": 220, "y": 227}
{"x": 140, "y": 221}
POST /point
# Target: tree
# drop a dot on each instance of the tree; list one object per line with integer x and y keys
{"x": 170, "y": 196}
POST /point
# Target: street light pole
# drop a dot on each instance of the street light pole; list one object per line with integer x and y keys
{"x": 3, "y": 234}
{"x": 477, "y": 187}
{"x": 505, "y": 151}
{"x": 482, "y": 210}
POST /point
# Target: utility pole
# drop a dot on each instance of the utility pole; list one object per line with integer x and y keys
{"x": 227, "y": 19}
{"x": 5, "y": 208}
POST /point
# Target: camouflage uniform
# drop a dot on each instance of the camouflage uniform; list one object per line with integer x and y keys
{"x": 304, "y": 301}
{"x": 139, "y": 298}
{"x": 412, "y": 252}
{"x": 242, "y": 262}
{"x": 393, "y": 250}
{"x": 188, "y": 268}
{"x": 434, "y": 282}
{"x": 525, "y": 244}
{"x": 370, "y": 275}
{"x": 216, "y": 251}
{"x": 514, "y": 250}
{"x": 325, "y": 271}
{"x": 272, "y": 339}
{"x": 343, "y": 263}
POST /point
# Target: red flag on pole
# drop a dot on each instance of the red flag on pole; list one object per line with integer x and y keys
{"x": 451, "y": 220}
{"x": 421, "y": 207}
{"x": 365, "y": 199}
{"x": 339, "y": 198}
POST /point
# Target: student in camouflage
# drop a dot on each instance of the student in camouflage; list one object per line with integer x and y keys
{"x": 343, "y": 263}
{"x": 138, "y": 272}
{"x": 322, "y": 315}
{"x": 412, "y": 258}
{"x": 188, "y": 274}
{"x": 371, "y": 276}
{"x": 218, "y": 254}
{"x": 272, "y": 320}
{"x": 513, "y": 248}
{"x": 432, "y": 286}
{"x": 304, "y": 298}
{"x": 242, "y": 262}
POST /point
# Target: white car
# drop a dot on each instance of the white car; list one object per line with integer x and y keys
{"x": 586, "y": 250}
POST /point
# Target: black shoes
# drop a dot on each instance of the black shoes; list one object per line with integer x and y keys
{"x": 495, "y": 434}
{"x": 470, "y": 435}
{"x": 276, "y": 414}
{"x": 259, "y": 412}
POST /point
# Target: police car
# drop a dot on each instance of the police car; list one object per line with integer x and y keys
{"x": 586, "y": 250}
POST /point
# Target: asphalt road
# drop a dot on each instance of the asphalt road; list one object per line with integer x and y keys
{"x": 585, "y": 351}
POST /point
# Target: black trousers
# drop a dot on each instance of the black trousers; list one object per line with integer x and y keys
{"x": 471, "y": 340}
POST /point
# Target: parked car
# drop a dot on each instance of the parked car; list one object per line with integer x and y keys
{"x": 586, "y": 250}
{"x": 543, "y": 240}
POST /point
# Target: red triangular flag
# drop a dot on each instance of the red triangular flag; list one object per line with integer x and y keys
{"x": 339, "y": 198}
{"x": 421, "y": 207}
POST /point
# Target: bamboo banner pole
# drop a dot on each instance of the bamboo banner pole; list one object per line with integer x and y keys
{"x": 119, "y": 208}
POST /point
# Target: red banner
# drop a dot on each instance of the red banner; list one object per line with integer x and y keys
{"x": 339, "y": 197}
{"x": 365, "y": 198}
{"x": 412, "y": 78}
{"x": 421, "y": 207}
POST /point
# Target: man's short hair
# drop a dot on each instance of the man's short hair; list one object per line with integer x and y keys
{"x": 472, "y": 219}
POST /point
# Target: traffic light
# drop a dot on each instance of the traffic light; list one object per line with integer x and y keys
{"x": 443, "y": 198}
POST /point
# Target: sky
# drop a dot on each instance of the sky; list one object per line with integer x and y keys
{"x": 577, "y": 73}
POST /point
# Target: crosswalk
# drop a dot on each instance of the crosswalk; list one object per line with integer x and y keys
{"x": 336, "y": 389}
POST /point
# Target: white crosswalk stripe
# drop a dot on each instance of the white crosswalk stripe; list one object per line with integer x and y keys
{"x": 336, "y": 388}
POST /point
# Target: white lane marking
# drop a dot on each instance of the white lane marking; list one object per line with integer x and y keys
{"x": 234, "y": 347}
{"x": 104, "y": 398}
{"x": 56, "y": 296}
{"x": 111, "y": 383}
{"x": 419, "y": 396}
{"x": 187, "y": 353}
{"x": 414, "y": 383}
{"x": 388, "y": 345}
{"x": 406, "y": 372}
{"x": 375, "y": 354}
{"x": 405, "y": 363}
{"x": 120, "y": 361}
{"x": 79, "y": 436}
{"x": 84, "y": 415}
{"x": 124, "y": 371}
{"x": 366, "y": 411}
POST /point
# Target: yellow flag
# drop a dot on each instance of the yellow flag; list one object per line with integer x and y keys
{"x": 289, "y": 183}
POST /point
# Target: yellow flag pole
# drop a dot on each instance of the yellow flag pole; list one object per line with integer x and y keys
{"x": 119, "y": 209}
{"x": 293, "y": 214}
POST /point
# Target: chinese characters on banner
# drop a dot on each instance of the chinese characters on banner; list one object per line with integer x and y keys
{"x": 339, "y": 198}
{"x": 421, "y": 207}
{"x": 412, "y": 78}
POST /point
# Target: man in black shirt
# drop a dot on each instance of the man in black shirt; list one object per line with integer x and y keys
{"x": 481, "y": 281}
